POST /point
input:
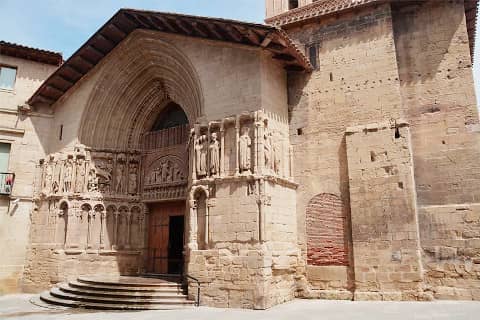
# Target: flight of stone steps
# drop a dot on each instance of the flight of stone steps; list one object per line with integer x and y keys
{"x": 119, "y": 293}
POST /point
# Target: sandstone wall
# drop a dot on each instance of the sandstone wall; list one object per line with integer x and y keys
{"x": 356, "y": 81}
{"x": 385, "y": 235}
{"x": 438, "y": 95}
{"x": 23, "y": 132}
{"x": 437, "y": 90}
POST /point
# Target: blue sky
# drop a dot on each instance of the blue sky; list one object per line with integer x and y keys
{"x": 64, "y": 25}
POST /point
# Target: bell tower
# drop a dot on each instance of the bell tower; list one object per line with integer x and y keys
{"x": 277, "y": 7}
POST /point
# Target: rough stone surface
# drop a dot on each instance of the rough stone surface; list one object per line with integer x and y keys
{"x": 359, "y": 180}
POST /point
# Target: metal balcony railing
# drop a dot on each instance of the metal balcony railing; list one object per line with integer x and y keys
{"x": 6, "y": 183}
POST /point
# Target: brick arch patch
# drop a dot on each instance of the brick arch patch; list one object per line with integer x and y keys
{"x": 325, "y": 219}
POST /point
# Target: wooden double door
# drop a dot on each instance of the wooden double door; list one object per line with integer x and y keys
{"x": 166, "y": 238}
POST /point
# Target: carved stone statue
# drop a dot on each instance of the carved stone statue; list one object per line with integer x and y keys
{"x": 48, "y": 182}
{"x": 120, "y": 176}
{"x": 214, "y": 155}
{"x": 68, "y": 176}
{"x": 92, "y": 180}
{"x": 109, "y": 175}
{"x": 277, "y": 158}
{"x": 267, "y": 147}
{"x": 164, "y": 171}
{"x": 80, "y": 175}
{"x": 201, "y": 156}
{"x": 132, "y": 178}
{"x": 244, "y": 145}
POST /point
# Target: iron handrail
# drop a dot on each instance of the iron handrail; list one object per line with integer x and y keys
{"x": 197, "y": 303}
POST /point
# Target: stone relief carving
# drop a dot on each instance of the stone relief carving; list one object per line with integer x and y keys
{"x": 67, "y": 176}
{"x": 120, "y": 175}
{"x": 165, "y": 171}
{"x": 201, "y": 156}
{"x": 245, "y": 143}
{"x": 80, "y": 175}
{"x": 92, "y": 180}
{"x": 277, "y": 157}
{"x": 267, "y": 147}
{"x": 214, "y": 149}
{"x": 133, "y": 178}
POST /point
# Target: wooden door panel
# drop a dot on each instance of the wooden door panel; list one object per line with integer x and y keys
{"x": 158, "y": 235}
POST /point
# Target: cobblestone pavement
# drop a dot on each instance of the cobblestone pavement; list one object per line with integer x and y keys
{"x": 20, "y": 307}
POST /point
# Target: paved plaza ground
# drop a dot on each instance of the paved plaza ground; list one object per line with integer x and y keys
{"x": 19, "y": 307}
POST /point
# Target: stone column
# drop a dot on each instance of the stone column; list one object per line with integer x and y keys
{"x": 193, "y": 160}
{"x": 115, "y": 230}
{"x": 103, "y": 222}
{"x": 129, "y": 224}
{"x": 192, "y": 243}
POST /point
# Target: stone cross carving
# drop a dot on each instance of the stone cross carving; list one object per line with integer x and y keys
{"x": 214, "y": 155}
{"x": 244, "y": 144}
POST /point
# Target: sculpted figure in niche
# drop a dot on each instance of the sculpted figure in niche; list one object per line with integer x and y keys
{"x": 276, "y": 158}
{"x": 92, "y": 180}
{"x": 109, "y": 175}
{"x": 214, "y": 155}
{"x": 245, "y": 143}
{"x": 48, "y": 183}
{"x": 132, "y": 178}
{"x": 267, "y": 147}
{"x": 164, "y": 171}
{"x": 120, "y": 176}
{"x": 68, "y": 176}
{"x": 80, "y": 175}
{"x": 201, "y": 156}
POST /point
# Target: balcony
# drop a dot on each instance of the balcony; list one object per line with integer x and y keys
{"x": 6, "y": 183}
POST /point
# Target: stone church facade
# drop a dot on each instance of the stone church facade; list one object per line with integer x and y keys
{"x": 332, "y": 153}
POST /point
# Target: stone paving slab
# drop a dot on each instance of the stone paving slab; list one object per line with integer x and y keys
{"x": 20, "y": 307}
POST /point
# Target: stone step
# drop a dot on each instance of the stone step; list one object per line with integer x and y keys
{"x": 113, "y": 293}
{"x": 180, "y": 300}
{"x": 128, "y": 281}
{"x": 175, "y": 287}
{"x": 48, "y": 298}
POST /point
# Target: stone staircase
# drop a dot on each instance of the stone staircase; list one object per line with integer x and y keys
{"x": 119, "y": 293}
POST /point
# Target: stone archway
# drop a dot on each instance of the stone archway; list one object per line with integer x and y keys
{"x": 142, "y": 76}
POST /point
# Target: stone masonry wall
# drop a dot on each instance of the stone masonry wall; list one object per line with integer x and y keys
{"x": 437, "y": 90}
{"x": 356, "y": 81}
{"x": 24, "y": 132}
{"x": 450, "y": 238}
{"x": 384, "y": 218}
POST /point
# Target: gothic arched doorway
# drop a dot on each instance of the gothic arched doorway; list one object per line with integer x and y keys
{"x": 165, "y": 160}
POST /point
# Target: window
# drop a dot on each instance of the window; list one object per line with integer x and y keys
{"x": 7, "y": 77}
{"x": 292, "y": 4}
{"x": 313, "y": 56}
{"x": 6, "y": 179}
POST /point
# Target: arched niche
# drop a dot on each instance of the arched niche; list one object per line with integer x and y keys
{"x": 142, "y": 77}
{"x": 200, "y": 195}
{"x": 62, "y": 224}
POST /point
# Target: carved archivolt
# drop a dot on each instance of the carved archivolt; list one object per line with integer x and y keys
{"x": 129, "y": 92}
